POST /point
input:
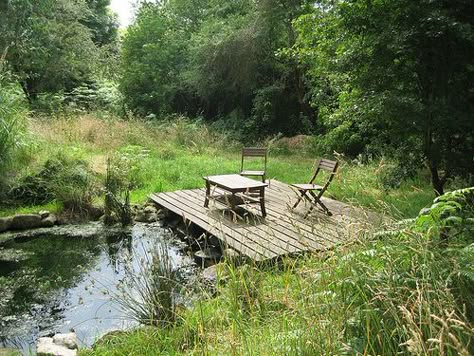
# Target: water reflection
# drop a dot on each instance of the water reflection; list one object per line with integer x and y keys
{"x": 67, "y": 284}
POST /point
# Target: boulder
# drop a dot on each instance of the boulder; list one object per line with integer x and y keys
{"x": 26, "y": 221}
{"x": 95, "y": 212}
{"x": 5, "y": 224}
{"x": 207, "y": 257}
{"x": 209, "y": 275}
{"x": 140, "y": 216}
{"x": 57, "y": 345}
{"x": 49, "y": 221}
{"x": 68, "y": 340}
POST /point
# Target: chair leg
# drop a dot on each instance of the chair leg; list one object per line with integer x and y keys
{"x": 317, "y": 201}
{"x": 325, "y": 208}
{"x": 262, "y": 202}
{"x": 208, "y": 193}
{"x": 303, "y": 195}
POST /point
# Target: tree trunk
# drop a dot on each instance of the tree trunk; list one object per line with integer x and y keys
{"x": 436, "y": 181}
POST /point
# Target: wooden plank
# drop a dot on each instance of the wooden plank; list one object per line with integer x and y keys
{"x": 294, "y": 224}
{"x": 259, "y": 239}
{"x": 201, "y": 212}
{"x": 240, "y": 245}
{"x": 295, "y": 231}
{"x": 282, "y": 231}
{"x": 282, "y": 240}
{"x": 309, "y": 226}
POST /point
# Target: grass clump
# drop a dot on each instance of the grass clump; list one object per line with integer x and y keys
{"x": 13, "y": 114}
{"x": 65, "y": 180}
{"x": 147, "y": 292}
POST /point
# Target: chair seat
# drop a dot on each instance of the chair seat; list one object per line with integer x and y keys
{"x": 252, "y": 173}
{"x": 307, "y": 186}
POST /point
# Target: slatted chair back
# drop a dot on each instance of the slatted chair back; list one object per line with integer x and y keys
{"x": 254, "y": 152}
{"x": 327, "y": 165}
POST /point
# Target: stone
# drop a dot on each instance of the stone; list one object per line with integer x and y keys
{"x": 68, "y": 340}
{"x": 161, "y": 214}
{"x": 140, "y": 216}
{"x": 95, "y": 212}
{"x": 5, "y": 224}
{"x": 49, "y": 221}
{"x": 207, "y": 257}
{"x": 231, "y": 254}
{"x": 44, "y": 214}
{"x": 150, "y": 209}
{"x": 151, "y": 218}
{"x": 58, "y": 345}
{"x": 26, "y": 221}
{"x": 209, "y": 275}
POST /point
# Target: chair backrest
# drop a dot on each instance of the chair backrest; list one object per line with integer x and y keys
{"x": 327, "y": 165}
{"x": 254, "y": 152}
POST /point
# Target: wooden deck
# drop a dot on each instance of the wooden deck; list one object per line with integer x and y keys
{"x": 281, "y": 233}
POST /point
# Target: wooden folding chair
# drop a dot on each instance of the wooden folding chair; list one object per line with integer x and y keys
{"x": 307, "y": 191}
{"x": 254, "y": 152}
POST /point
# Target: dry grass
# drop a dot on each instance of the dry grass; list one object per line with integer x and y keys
{"x": 100, "y": 134}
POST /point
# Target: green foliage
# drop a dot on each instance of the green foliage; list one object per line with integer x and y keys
{"x": 66, "y": 180}
{"x": 12, "y": 118}
{"x": 451, "y": 215}
{"x": 394, "y": 74}
{"x": 54, "y": 45}
{"x": 216, "y": 59}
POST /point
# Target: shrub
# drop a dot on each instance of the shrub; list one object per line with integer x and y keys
{"x": 68, "y": 181}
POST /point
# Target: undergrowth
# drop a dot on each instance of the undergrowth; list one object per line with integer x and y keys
{"x": 397, "y": 292}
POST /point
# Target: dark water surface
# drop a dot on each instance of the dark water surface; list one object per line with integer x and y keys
{"x": 55, "y": 284}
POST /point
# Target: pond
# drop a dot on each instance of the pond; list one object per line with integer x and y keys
{"x": 54, "y": 284}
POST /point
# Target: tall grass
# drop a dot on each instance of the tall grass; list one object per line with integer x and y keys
{"x": 12, "y": 118}
{"x": 147, "y": 292}
{"x": 393, "y": 293}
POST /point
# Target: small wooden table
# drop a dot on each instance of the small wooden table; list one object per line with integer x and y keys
{"x": 242, "y": 190}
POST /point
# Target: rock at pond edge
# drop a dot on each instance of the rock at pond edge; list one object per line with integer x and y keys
{"x": 58, "y": 345}
{"x": 5, "y": 224}
{"x": 26, "y": 221}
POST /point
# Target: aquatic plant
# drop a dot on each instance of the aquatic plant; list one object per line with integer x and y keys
{"x": 117, "y": 196}
{"x": 147, "y": 293}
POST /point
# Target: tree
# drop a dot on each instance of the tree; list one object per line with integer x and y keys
{"x": 217, "y": 59}
{"x": 399, "y": 73}
{"x": 48, "y": 43}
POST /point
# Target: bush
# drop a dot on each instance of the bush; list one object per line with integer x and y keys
{"x": 100, "y": 96}
{"x": 68, "y": 181}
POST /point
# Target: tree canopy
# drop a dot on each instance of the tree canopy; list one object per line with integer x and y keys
{"x": 363, "y": 77}
{"x": 53, "y": 45}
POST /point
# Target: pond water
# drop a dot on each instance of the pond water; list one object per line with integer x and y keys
{"x": 55, "y": 284}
